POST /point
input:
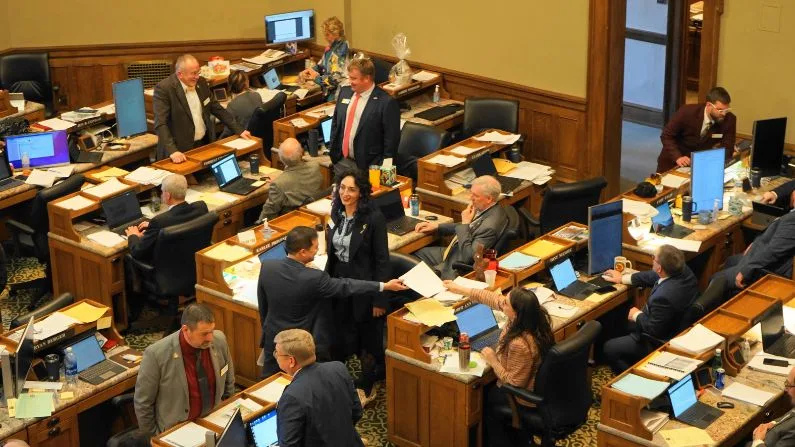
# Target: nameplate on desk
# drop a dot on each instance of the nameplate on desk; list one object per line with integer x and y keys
{"x": 54, "y": 340}
{"x": 90, "y": 122}
{"x": 662, "y": 199}
{"x": 410, "y": 89}
{"x": 269, "y": 245}
{"x": 564, "y": 254}
{"x": 213, "y": 160}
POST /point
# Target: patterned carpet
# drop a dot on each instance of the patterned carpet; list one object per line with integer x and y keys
{"x": 372, "y": 426}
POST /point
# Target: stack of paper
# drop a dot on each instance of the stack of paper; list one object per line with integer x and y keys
{"x": 518, "y": 261}
{"x": 262, "y": 59}
{"x": 40, "y": 177}
{"x": 542, "y": 249}
{"x": 109, "y": 188}
{"x": 670, "y": 365}
{"x": 62, "y": 171}
{"x": 34, "y": 405}
{"x": 746, "y": 393}
{"x": 697, "y": 340}
{"x": 267, "y": 94}
{"x": 217, "y": 198}
{"x": 56, "y": 124}
{"x": 85, "y": 313}
{"x": 322, "y": 207}
{"x": 299, "y": 122}
{"x": 653, "y": 420}
{"x": 54, "y": 324}
{"x": 240, "y": 143}
{"x": 683, "y": 437}
{"x": 107, "y": 238}
{"x": 682, "y": 244}
{"x": 228, "y": 252}
{"x": 423, "y": 76}
{"x": 572, "y": 233}
{"x": 189, "y": 435}
{"x": 560, "y": 310}
{"x": 639, "y": 208}
{"x": 322, "y": 112}
{"x": 536, "y": 173}
{"x": 272, "y": 392}
{"x": 640, "y": 386}
{"x": 451, "y": 365}
{"x": 496, "y": 137}
{"x": 423, "y": 280}
{"x": 542, "y": 293}
{"x": 221, "y": 416}
{"x": 148, "y": 176}
{"x": 447, "y": 160}
{"x": 464, "y": 150}
{"x": 77, "y": 202}
{"x": 431, "y": 312}
{"x": 674, "y": 181}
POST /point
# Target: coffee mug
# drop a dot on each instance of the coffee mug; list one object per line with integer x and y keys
{"x": 621, "y": 263}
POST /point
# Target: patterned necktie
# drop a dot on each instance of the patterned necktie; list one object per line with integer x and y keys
{"x": 346, "y": 139}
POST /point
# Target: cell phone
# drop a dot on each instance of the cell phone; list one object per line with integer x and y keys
{"x": 776, "y": 362}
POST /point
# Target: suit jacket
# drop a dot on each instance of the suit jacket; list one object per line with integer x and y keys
{"x": 782, "y": 434}
{"x": 378, "y": 134}
{"x": 667, "y": 303}
{"x": 485, "y": 229}
{"x": 173, "y": 120}
{"x": 161, "y": 390}
{"x": 784, "y": 194}
{"x": 368, "y": 256}
{"x": 292, "y": 189}
{"x": 319, "y": 408}
{"x": 772, "y": 250}
{"x": 682, "y": 135}
{"x": 142, "y": 248}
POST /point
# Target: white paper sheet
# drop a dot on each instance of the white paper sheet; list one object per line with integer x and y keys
{"x": 423, "y": 280}
{"x": 682, "y": 244}
{"x": 322, "y": 207}
{"x": 107, "y": 238}
{"x": 674, "y": 181}
{"x": 757, "y": 363}
{"x": 189, "y": 435}
{"x": 240, "y": 143}
{"x": 451, "y": 365}
{"x": 299, "y": 122}
{"x": 543, "y": 294}
{"x": 56, "y": 124}
{"x": 40, "y": 177}
{"x": 62, "y": 171}
{"x": 77, "y": 202}
{"x": 471, "y": 283}
{"x": 108, "y": 188}
{"x": 639, "y": 208}
{"x": 447, "y": 160}
{"x": 54, "y": 324}
{"x": 423, "y": 76}
{"x": 271, "y": 392}
{"x": 496, "y": 137}
{"x": 36, "y": 385}
{"x": 746, "y": 393}
{"x": 697, "y": 340}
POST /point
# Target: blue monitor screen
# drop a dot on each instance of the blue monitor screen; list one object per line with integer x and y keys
{"x": 43, "y": 149}
{"x": 226, "y": 170}
{"x": 663, "y": 217}
{"x": 263, "y": 430}
{"x": 706, "y": 180}
{"x": 475, "y": 320}
{"x": 130, "y": 113}
{"x": 683, "y": 395}
{"x": 563, "y": 274}
{"x": 87, "y": 352}
{"x": 276, "y": 252}
{"x": 605, "y": 225}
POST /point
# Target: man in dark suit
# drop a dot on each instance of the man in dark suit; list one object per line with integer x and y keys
{"x": 482, "y": 222}
{"x": 319, "y": 407}
{"x": 366, "y": 125}
{"x": 779, "y": 432}
{"x": 293, "y": 295}
{"x": 698, "y": 126}
{"x": 783, "y": 196}
{"x": 674, "y": 287}
{"x": 182, "y": 105}
{"x": 771, "y": 251}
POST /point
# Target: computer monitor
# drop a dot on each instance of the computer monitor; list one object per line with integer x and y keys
{"x": 130, "y": 113}
{"x": 234, "y": 435}
{"x": 706, "y": 181}
{"x": 767, "y": 151}
{"x": 290, "y": 26}
{"x": 42, "y": 148}
{"x": 23, "y": 357}
{"x": 605, "y": 227}
{"x": 263, "y": 430}
{"x": 277, "y": 252}
{"x": 325, "y": 129}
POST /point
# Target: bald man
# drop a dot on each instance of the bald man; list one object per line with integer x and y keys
{"x": 299, "y": 182}
{"x": 182, "y": 106}
{"x": 779, "y": 432}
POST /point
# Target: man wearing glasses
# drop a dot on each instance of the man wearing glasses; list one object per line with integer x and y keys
{"x": 779, "y": 432}
{"x": 698, "y": 126}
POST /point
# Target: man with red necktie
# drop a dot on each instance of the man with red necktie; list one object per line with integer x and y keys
{"x": 366, "y": 125}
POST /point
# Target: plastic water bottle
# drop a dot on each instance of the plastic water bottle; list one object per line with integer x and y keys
{"x": 25, "y": 160}
{"x": 436, "y": 94}
{"x": 70, "y": 367}
{"x": 745, "y": 349}
{"x": 715, "y": 210}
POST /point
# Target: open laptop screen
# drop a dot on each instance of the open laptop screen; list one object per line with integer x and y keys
{"x": 390, "y": 204}
{"x": 5, "y": 171}
{"x": 121, "y": 209}
{"x": 484, "y": 165}
{"x": 476, "y": 320}
{"x": 683, "y": 395}
{"x": 263, "y": 430}
{"x": 43, "y": 149}
{"x": 87, "y": 352}
{"x": 663, "y": 217}
{"x": 772, "y": 325}
{"x": 325, "y": 128}
{"x": 563, "y": 274}
{"x": 271, "y": 79}
{"x": 226, "y": 170}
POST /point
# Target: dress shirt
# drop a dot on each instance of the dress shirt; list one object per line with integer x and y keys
{"x": 707, "y": 122}
{"x": 357, "y": 114}
{"x": 342, "y": 237}
{"x": 189, "y": 360}
{"x": 195, "y": 111}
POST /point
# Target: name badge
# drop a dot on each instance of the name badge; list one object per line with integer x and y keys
{"x": 206, "y": 101}
{"x": 717, "y": 135}
{"x": 224, "y": 370}
{"x": 346, "y": 100}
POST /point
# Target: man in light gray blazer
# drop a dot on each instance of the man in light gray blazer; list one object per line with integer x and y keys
{"x": 184, "y": 375}
{"x": 481, "y": 222}
{"x": 299, "y": 182}
{"x": 781, "y": 431}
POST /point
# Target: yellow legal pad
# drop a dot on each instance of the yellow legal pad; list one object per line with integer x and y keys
{"x": 227, "y": 252}
{"x": 431, "y": 312}
{"x": 85, "y": 313}
{"x": 542, "y": 249}
{"x": 503, "y": 166}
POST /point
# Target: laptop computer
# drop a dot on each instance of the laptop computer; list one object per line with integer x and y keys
{"x": 325, "y": 130}
{"x": 478, "y": 321}
{"x": 663, "y": 223}
{"x": 122, "y": 211}
{"x": 776, "y": 338}
{"x": 263, "y": 430}
{"x": 391, "y": 205}
{"x": 484, "y": 165}
{"x": 7, "y": 181}
{"x": 229, "y": 178}
{"x": 687, "y": 408}
{"x": 566, "y": 281}
{"x": 273, "y": 82}
{"x": 92, "y": 366}
{"x": 234, "y": 434}
{"x": 765, "y": 214}
{"x": 438, "y": 112}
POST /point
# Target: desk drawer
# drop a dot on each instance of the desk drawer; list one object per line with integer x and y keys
{"x": 59, "y": 430}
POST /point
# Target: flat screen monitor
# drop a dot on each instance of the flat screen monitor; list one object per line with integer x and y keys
{"x": 290, "y": 26}
{"x": 43, "y": 149}
{"x": 768, "y": 146}
{"x": 130, "y": 113}
{"x": 277, "y": 252}
{"x": 706, "y": 182}
{"x": 605, "y": 225}
{"x": 24, "y": 356}
{"x": 234, "y": 435}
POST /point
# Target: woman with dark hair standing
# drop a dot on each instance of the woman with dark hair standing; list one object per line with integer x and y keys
{"x": 358, "y": 249}
{"x": 523, "y": 342}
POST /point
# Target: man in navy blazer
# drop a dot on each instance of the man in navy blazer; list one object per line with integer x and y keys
{"x": 320, "y": 406}
{"x": 674, "y": 287}
{"x": 366, "y": 125}
{"x": 292, "y": 295}
{"x": 782, "y": 197}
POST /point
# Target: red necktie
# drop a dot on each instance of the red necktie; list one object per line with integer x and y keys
{"x": 346, "y": 138}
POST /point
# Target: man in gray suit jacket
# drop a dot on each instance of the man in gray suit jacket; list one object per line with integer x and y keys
{"x": 481, "y": 222}
{"x": 184, "y": 375}
{"x": 781, "y": 431}
{"x": 296, "y": 185}
{"x": 182, "y": 106}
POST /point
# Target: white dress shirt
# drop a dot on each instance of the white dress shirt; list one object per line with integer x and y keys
{"x": 357, "y": 114}
{"x": 707, "y": 122}
{"x": 195, "y": 111}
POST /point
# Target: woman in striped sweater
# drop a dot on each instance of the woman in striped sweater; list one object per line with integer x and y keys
{"x": 524, "y": 340}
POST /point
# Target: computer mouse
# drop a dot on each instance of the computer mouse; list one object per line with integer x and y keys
{"x": 430, "y": 217}
{"x": 725, "y": 405}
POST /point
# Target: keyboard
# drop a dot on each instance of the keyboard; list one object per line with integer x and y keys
{"x": 403, "y": 225}
{"x": 8, "y": 183}
{"x": 784, "y": 347}
{"x": 578, "y": 290}
{"x": 101, "y": 372}
{"x": 486, "y": 341}
{"x": 508, "y": 184}
{"x": 122, "y": 228}
{"x": 700, "y": 415}
{"x": 241, "y": 186}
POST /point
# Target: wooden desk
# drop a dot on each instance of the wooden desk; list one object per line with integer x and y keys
{"x": 61, "y": 428}
{"x": 88, "y": 269}
{"x": 33, "y": 112}
{"x": 620, "y": 418}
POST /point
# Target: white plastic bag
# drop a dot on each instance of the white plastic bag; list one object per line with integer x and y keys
{"x": 400, "y": 73}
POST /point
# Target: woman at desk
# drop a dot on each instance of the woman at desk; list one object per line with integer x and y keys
{"x": 358, "y": 249}
{"x": 244, "y": 100}
{"x": 523, "y": 342}
{"x": 330, "y": 69}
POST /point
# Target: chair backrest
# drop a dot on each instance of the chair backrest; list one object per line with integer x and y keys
{"x": 417, "y": 141}
{"x": 510, "y": 233}
{"x": 174, "y": 257}
{"x": 382, "y": 68}
{"x": 569, "y": 202}
{"x": 28, "y": 73}
{"x": 55, "y": 304}
{"x": 562, "y": 379}
{"x": 713, "y": 296}
{"x": 261, "y": 122}
{"x": 39, "y": 219}
{"x": 490, "y": 113}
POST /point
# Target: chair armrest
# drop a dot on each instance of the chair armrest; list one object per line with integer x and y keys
{"x": 122, "y": 399}
{"x": 525, "y": 214}
{"x": 139, "y": 265}
{"x": 523, "y": 394}
{"x": 18, "y": 227}
{"x": 461, "y": 267}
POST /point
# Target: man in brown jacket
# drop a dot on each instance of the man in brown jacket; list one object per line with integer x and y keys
{"x": 698, "y": 126}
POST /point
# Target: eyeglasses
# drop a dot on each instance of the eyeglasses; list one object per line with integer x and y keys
{"x": 787, "y": 385}
{"x": 276, "y": 354}
{"x": 352, "y": 189}
{"x": 721, "y": 111}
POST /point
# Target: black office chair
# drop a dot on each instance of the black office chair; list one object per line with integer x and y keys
{"x": 490, "y": 113}
{"x": 400, "y": 264}
{"x": 564, "y": 203}
{"x": 130, "y": 436}
{"x": 261, "y": 123}
{"x": 58, "y": 303}
{"x": 562, "y": 394}
{"x": 173, "y": 270}
{"x": 28, "y": 73}
{"x": 32, "y": 238}
{"x": 382, "y": 68}
{"x": 417, "y": 141}
{"x": 510, "y": 234}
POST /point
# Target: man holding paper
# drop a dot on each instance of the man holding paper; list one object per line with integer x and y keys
{"x": 779, "y": 432}
{"x": 674, "y": 287}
